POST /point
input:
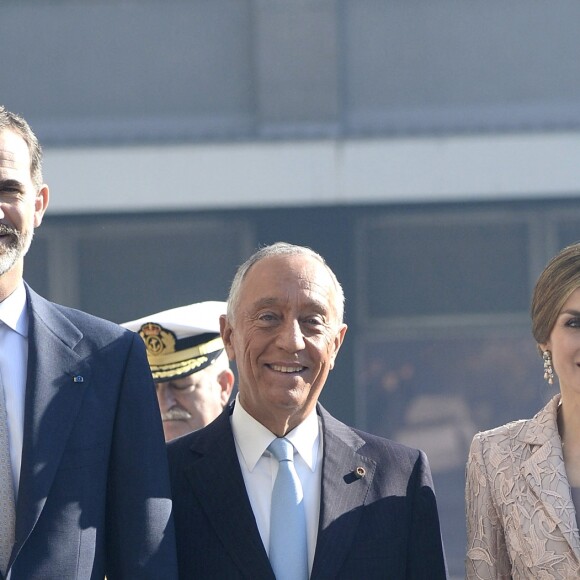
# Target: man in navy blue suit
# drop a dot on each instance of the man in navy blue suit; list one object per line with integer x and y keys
{"x": 87, "y": 493}
{"x": 369, "y": 510}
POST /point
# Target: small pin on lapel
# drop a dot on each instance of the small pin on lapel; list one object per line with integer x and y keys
{"x": 78, "y": 379}
{"x": 360, "y": 472}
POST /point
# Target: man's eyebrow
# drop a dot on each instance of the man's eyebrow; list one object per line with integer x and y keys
{"x": 315, "y": 305}
{"x": 10, "y": 183}
{"x": 264, "y": 302}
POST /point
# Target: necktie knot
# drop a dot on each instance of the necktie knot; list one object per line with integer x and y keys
{"x": 282, "y": 449}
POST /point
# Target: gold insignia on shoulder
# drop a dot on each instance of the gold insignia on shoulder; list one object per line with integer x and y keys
{"x": 158, "y": 340}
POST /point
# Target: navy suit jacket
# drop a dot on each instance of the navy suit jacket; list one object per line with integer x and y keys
{"x": 94, "y": 493}
{"x": 382, "y": 525}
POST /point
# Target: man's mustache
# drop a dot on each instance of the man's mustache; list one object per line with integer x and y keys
{"x": 7, "y": 230}
{"x": 176, "y": 414}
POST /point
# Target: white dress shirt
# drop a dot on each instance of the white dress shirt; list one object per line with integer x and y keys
{"x": 260, "y": 468}
{"x": 13, "y": 364}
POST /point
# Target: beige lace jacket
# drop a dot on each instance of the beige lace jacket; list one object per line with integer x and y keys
{"x": 521, "y": 521}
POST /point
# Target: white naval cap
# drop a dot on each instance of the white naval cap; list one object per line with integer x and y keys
{"x": 181, "y": 341}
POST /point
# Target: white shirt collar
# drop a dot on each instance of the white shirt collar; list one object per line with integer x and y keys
{"x": 13, "y": 311}
{"x": 253, "y": 438}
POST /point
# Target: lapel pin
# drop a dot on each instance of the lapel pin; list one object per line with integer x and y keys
{"x": 360, "y": 472}
{"x": 78, "y": 379}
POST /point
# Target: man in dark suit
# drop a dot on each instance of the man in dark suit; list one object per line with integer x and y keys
{"x": 85, "y": 490}
{"x": 366, "y": 505}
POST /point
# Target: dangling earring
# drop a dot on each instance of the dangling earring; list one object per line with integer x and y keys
{"x": 548, "y": 369}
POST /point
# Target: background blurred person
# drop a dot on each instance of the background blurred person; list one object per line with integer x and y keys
{"x": 523, "y": 478}
{"x": 189, "y": 364}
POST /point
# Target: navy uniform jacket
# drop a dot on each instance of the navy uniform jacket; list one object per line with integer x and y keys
{"x": 94, "y": 492}
{"x": 381, "y": 525}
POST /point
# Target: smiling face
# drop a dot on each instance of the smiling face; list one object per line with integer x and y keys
{"x": 285, "y": 338}
{"x": 21, "y": 208}
{"x": 564, "y": 343}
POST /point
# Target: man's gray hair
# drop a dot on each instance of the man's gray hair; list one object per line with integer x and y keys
{"x": 280, "y": 249}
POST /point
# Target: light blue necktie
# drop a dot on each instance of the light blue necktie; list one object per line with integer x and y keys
{"x": 288, "y": 544}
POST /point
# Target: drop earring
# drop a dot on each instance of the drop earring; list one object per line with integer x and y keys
{"x": 548, "y": 368}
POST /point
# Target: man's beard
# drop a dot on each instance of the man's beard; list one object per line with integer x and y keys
{"x": 15, "y": 250}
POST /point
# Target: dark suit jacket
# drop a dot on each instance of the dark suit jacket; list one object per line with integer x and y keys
{"x": 382, "y": 525}
{"x": 94, "y": 492}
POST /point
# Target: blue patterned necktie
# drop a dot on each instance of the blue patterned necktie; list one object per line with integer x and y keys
{"x": 288, "y": 544}
{"x": 7, "y": 507}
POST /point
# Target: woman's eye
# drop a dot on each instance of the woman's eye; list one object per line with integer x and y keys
{"x": 573, "y": 322}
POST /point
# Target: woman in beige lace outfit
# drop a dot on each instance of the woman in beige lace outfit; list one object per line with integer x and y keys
{"x": 523, "y": 479}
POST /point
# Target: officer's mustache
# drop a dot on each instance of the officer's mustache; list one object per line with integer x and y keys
{"x": 175, "y": 414}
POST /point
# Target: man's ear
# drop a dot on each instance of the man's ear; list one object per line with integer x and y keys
{"x": 338, "y": 339}
{"x": 226, "y": 381}
{"x": 226, "y": 334}
{"x": 40, "y": 204}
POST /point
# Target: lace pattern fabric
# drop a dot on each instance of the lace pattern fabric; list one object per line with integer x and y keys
{"x": 521, "y": 521}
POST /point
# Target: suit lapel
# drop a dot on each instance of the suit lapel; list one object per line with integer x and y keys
{"x": 342, "y": 492}
{"x": 216, "y": 478}
{"x": 545, "y": 473}
{"x": 52, "y": 402}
